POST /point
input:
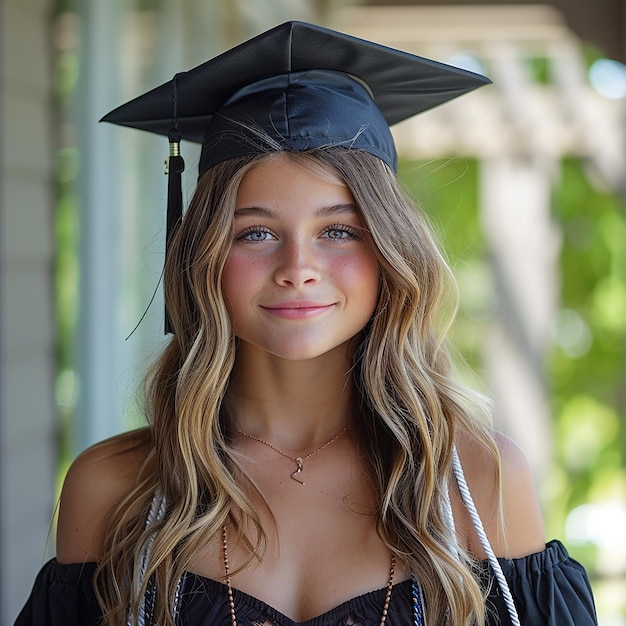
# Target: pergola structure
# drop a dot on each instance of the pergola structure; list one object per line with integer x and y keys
{"x": 601, "y": 23}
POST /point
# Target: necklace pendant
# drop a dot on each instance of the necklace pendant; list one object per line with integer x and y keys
{"x": 295, "y": 474}
{"x": 299, "y": 460}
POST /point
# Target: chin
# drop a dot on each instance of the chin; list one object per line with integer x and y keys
{"x": 308, "y": 354}
{"x": 303, "y": 351}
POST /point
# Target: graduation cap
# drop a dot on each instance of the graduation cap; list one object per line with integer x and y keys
{"x": 301, "y": 85}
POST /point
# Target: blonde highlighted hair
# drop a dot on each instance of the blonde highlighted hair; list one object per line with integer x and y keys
{"x": 411, "y": 407}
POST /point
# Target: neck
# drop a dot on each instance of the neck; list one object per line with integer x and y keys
{"x": 292, "y": 403}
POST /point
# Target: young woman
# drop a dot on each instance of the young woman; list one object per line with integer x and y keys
{"x": 309, "y": 458}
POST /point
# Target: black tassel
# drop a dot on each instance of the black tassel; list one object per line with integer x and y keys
{"x": 175, "y": 168}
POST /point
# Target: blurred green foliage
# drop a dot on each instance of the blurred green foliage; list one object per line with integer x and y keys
{"x": 447, "y": 190}
{"x": 586, "y": 368}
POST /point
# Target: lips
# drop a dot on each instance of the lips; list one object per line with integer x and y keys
{"x": 297, "y": 309}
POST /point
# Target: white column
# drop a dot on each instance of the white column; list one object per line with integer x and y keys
{"x": 27, "y": 415}
{"x": 523, "y": 243}
{"x": 99, "y": 404}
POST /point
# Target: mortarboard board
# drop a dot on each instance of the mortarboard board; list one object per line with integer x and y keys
{"x": 302, "y": 85}
{"x": 242, "y": 84}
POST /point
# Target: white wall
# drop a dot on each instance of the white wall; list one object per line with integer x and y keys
{"x": 27, "y": 427}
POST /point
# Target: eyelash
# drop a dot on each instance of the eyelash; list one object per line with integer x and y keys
{"x": 253, "y": 229}
{"x": 341, "y": 228}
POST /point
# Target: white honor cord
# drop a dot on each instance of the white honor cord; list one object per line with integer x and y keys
{"x": 156, "y": 513}
{"x": 484, "y": 541}
{"x": 447, "y": 511}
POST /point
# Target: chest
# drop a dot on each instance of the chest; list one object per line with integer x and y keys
{"x": 322, "y": 546}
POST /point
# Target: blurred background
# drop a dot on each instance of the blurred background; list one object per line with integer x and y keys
{"x": 524, "y": 180}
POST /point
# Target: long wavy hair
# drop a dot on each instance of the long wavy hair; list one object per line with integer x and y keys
{"x": 411, "y": 407}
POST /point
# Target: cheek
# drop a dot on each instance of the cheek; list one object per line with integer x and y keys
{"x": 362, "y": 274}
{"x": 370, "y": 267}
{"x": 236, "y": 269}
{"x": 232, "y": 283}
{"x": 372, "y": 285}
{"x": 240, "y": 279}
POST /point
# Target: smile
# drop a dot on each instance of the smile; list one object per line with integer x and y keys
{"x": 297, "y": 310}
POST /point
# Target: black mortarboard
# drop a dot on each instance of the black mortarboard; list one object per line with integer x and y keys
{"x": 303, "y": 85}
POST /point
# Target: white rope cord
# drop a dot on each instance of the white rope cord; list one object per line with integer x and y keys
{"x": 482, "y": 536}
{"x": 447, "y": 512}
{"x": 156, "y": 513}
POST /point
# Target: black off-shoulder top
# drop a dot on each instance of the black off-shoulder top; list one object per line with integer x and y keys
{"x": 549, "y": 588}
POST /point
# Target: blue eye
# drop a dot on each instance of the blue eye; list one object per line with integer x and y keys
{"x": 255, "y": 234}
{"x": 339, "y": 232}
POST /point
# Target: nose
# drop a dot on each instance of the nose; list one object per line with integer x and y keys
{"x": 298, "y": 265}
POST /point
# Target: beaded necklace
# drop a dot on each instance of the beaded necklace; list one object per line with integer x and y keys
{"x": 418, "y": 613}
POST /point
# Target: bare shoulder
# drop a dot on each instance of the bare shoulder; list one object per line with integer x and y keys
{"x": 99, "y": 478}
{"x": 511, "y": 516}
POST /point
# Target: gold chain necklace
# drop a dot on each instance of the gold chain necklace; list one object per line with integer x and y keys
{"x": 298, "y": 460}
{"x": 231, "y": 599}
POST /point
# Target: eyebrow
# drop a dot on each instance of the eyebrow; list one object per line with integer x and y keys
{"x": 258, "y": 211}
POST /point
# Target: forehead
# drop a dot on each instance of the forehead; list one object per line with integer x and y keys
{"x": 311, "y": 162}
{"x": 279, "y": 177}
